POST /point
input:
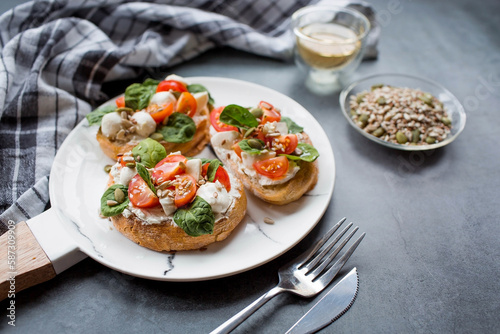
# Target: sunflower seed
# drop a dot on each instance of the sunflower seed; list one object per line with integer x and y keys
{"x": 268, "y": 220}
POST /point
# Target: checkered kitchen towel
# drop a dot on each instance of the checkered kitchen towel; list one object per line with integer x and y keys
{"x": 56, "y": 55}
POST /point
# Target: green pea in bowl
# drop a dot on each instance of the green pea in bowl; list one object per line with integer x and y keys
{"x": 403, "y": 112}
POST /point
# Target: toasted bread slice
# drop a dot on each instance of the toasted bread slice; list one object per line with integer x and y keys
{"x": 167, "y": 236}
{"x": 279, "y": 194}
{"x": 113, "y": 148}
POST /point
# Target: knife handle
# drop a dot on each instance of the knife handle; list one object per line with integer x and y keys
{"x": 23, "y": 263}
{"x": 238, "y": 318}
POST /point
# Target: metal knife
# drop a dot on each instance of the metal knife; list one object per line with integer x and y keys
{"x": 329, "y": 308}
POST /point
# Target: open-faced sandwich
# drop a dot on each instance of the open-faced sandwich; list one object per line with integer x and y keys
{"x": 269, "y": 153}
{"x": 170, "y": 202}
{"x": 171, "y": 112}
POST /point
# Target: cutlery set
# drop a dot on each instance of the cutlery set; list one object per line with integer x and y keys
{"x": 307, "y": 276}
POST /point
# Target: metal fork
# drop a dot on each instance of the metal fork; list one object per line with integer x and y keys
{"x": 305, "y": 276}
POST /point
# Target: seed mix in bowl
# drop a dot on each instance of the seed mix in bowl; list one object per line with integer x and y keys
{"x": 400, "y": 115}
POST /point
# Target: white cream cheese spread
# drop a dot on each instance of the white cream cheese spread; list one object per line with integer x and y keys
{"x": 214, "y": 193}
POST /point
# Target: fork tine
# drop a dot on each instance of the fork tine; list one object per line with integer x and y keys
{"x": 336, "y": 251}
{"x": 308, "y": 254}
{"x": 330, "y": 274}
{"x": 325, "y": 251}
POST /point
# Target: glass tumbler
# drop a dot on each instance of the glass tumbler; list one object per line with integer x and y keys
{"x": 329, "y": 45}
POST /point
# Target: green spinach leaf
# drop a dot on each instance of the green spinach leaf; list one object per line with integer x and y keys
{"x": 109, "y": 194}
{"x": 292, "y": 126}
{"x": 197, "y": 219}
{"x": 180, "y": 128}
{"x": 212, "y": 169}
{"x": 249, "y": 149}
{"x": 206, "y": 160}
{"x": 143, "y": 172}
{"x": 137, "y": 96}
{"x": 309, "y": 153}
{"x": 95, "y": 117}
{"x": 150, "y": 151}
{"x": 238, "y": 116}
{"x": 197, "y": 88}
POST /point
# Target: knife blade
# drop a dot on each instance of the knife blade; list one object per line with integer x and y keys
{"x": 330, "y": 307}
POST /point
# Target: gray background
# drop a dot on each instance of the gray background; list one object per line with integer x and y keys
{"x": 430, "y": 261}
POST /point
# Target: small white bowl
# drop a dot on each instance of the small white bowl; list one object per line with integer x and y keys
{"x": 451, "y": 104}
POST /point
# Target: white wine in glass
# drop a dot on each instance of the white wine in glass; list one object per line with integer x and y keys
{"x": 327, "y": 45}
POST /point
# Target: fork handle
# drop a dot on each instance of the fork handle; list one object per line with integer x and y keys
{"x": 238, "y": 318}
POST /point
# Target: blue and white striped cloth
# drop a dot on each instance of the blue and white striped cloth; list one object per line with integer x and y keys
{"x": 57, "y": 54}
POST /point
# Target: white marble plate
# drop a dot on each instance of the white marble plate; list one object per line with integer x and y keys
{"x": 78, "y": 180}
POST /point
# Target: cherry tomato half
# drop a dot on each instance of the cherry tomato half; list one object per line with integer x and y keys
{"x": 159, "y": 113}
{"x": 221, "y": 175}
{"x": 185, "y": 191}
{"x": 259, "y": 134}
{"x": 168, "y": 168}
{"x": 186, "y": 104}
{"x": 273, "y": 168}
{"x": 237, "y": 149}
{"x": 270, "y": 113}
{"x": 283, "y": 144}
{"x": 140, "y": 194}
{"x": 217, "y": 124}
{"x": 174, "y": 85}
{"x": 120, "y": 102}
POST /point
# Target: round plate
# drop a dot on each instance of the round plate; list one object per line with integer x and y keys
{"x": 455, "y": 110}
{"x": 78, "y": 180}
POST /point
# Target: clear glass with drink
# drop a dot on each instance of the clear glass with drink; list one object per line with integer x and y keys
{"x": 329, "y": 44}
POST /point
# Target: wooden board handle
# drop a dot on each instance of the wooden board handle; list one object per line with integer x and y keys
{"x": 26, "y": 262}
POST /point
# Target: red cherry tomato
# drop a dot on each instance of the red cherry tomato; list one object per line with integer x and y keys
{"x": 273, "y": 168}
{"x": 217, "y": 124}
{"x": 159, "y": 113}
{"x": 140, "y": 194}
{"x": 122, "y": 163}
{"x": 259, "y": 134}
{"x": 270, "y": 113}
{"x": 283, "y": 144}
{"x": 120, "y": 102}
{"x": 185, "y": 191}
{"x": 167, "y": 85}
{"x": 237, "y": 149}
{"x": 173, "y": 158}
{"x": 168, "y": 168}
{"x": 221, "y": 175}
{"x": 186, "y": 104}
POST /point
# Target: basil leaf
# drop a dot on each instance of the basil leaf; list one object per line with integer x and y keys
{"x": 109, "y": 194}
{"x": 247, "y": 148}
{"x": 292, "y": 126}
{"x": 197, "y": 88}
{"x": 206, "y": 160}
{"x": 95, "y": 117}
{"x": 180, "y": 128}
{"x": 197, "y": 219}
{"x": 143, "y": 172}
{"x": 213, "y": 165}
{"x": 212, "y": 169}
{"x": 238, "y": 116}
{"x": 137, "y": 96}
{"x": 150, "y": 151}
{"x": 309, "y": 153}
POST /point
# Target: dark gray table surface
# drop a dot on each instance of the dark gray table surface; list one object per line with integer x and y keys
{"x": 430, "y": 262}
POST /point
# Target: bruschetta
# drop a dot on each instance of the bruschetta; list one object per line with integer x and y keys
{"x": 269, "y": 153}
{"x": 168, "y": 202}
{"x": 171, "y": 111}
